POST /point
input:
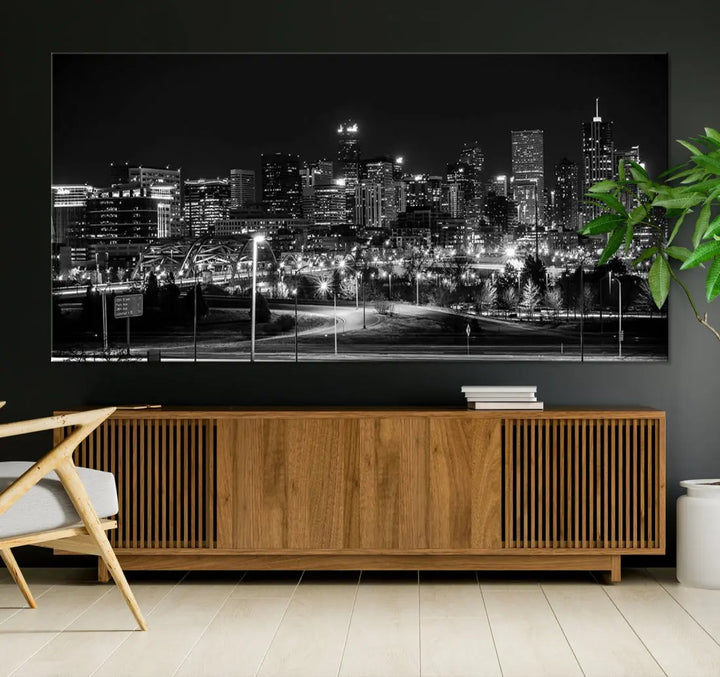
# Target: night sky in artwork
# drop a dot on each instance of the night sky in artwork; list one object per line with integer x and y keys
{"x": 210, "y": 113}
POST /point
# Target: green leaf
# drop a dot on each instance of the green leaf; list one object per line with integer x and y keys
{"x": 707, "y": 141}
{"x": 628, "y": 237}
{"x": 705, "y": 186}
{"x": 694, "y": 177}
{"x": 613, "y": 244}
{"x": 673, "y": 169}
{"x": 710, "y": 163}
{"x": 676, "y": 228}
{"x": 621, "y": 172}
{"x": 602, "y": 224}
{"x": 712, "y": 282}
{"x": 713, "y": 194}
{"x": 678, "y": 253}
{"x": 603, "y": 186}
{"x": 659, "y": 281}
{"x": 638, "y": 169}
{"x": 713, "y": 228}
{"x": 693, "y": 149}
{"x": 638, "y": 214}
{"x": 701, "y": 225}
{"x": 705, "y": 252}
{"x": 712, "y": 134}
{"x": 677, "y": 202}
{"x": 647, "y": 254}
{"x": 609, "y": 201}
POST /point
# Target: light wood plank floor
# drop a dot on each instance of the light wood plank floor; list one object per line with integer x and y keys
{"x": 348, "y": 624}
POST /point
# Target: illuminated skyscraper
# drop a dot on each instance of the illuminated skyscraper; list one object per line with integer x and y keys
{"x": 423, "y": 192}
{"x": 598, "y": 156}
{"x": 123, "y": 214}
{"x": 348, "y": 157}
{"x": 459, "y": 191}
{"x": 499, "y": 185}
{"x": 318, "y": 173}
{"x": 368, "y": 204}
{"x": 566, "y": 203}
{"x": 207, "y": 201}
{"x": 328, "y": 206}
{"x": 242, "y": 188}
{"x": 472, "y": 157}
{"x": 162, "y": 183}
{"x": 528, "y": 175}
{"x": 69, "y": 204}
{"x": 381, "y": 170}
{"x": 282, "y": 185}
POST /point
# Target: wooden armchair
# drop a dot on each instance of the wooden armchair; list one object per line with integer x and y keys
{"x": 59, "y": 528}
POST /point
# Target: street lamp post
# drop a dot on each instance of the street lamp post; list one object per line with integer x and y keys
{"x": 335, "y": 317}
{"x": 296, "y": 323}
{"x": 620, "y": 330}
{"x": 582, "y": 311}
{"x": 537, "y": 234}
{"x": 195, "y": 314}
{"x": 256, "y": 239}
{"x": 362, "y": 277}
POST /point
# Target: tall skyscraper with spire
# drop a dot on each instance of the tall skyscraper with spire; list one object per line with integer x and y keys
{"x": 348, "y": 163}
{"x": 598, "y": 156}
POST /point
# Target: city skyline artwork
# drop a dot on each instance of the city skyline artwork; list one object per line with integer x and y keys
{"x": 348, "y": 207}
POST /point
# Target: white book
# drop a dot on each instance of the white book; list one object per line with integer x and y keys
{"x": 481, "y": 390}
{"x": 501, "y": 397}
{"x": 506, "y": 405}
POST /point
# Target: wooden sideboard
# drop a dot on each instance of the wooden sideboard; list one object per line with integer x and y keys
{"x": 383, "y": 488}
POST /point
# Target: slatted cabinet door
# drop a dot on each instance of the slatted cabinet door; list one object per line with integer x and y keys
{"x": 584, "y": 483}
{"x": 165, "y": 474}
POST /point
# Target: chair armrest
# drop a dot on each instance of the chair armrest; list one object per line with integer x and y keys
{"x": 86, "y": 421}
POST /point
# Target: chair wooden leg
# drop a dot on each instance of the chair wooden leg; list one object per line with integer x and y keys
{"x": 15, "y": 572}
{"x": 76, "y": 491}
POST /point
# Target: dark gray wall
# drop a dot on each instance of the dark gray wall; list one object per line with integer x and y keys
{"x": 687, "y": 387}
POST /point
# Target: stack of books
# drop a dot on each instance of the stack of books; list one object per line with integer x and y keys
{"x": 501, "y": 397}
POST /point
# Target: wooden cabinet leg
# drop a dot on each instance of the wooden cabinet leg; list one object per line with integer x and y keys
{"x": 103, "y": 573}
{"x": 614, "y": 575}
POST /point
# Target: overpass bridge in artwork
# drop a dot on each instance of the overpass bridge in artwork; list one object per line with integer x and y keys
{"x": 227, "y": 262}
{"x": 223, "y": 261}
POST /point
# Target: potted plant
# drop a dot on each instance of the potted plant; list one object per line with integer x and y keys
{"x": 663, "y": 206}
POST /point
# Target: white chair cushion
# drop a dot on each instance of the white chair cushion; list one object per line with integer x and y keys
{"x": 47, "y": 505}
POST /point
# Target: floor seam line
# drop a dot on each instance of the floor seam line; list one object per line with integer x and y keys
{"x": 282, "y": 618}
{"x": 56, "y": 634}
{"x": 695, "y": 620}
{"x": 130, "y": 632}
{"x": 630, "y": 625}
{"x": 25, "y": 608}
{"x": 347, "y": 632}
{"x": 209, "y": 623}
{"x": 557, "y": 620}
{"x": 487, "y": 617}
{"x": 419, "y": 627}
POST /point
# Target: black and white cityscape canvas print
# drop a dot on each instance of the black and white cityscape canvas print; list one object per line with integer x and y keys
{"x": 295, "y": 207}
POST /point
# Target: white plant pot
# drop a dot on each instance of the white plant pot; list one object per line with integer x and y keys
{"x": 698, "y": 535}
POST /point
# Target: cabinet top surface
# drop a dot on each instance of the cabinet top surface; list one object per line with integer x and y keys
{"x": 174, "y": 411}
